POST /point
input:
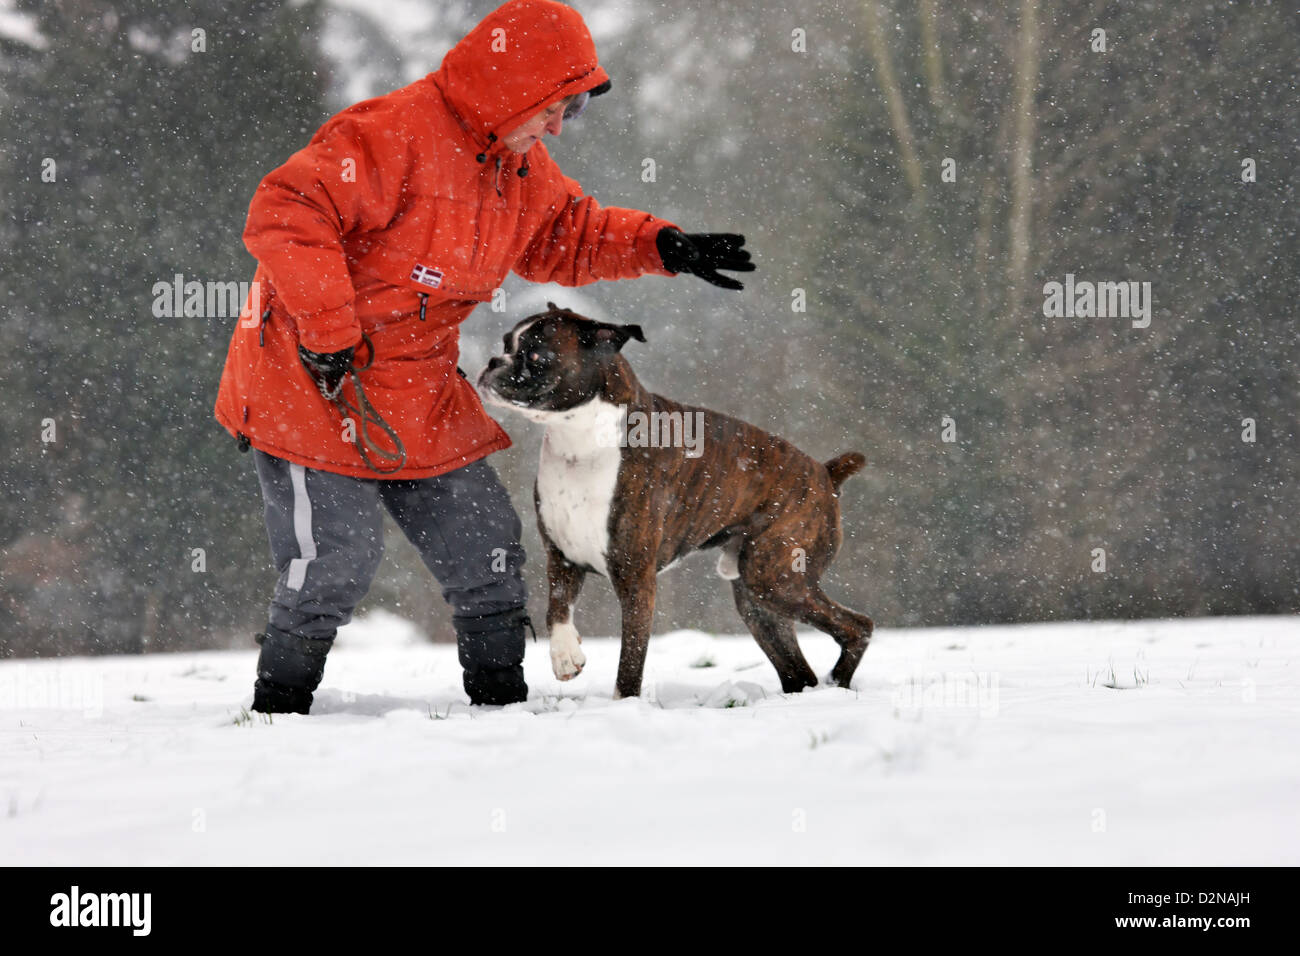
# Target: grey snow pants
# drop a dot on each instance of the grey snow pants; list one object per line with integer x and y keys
{"x": 326, "y": 534}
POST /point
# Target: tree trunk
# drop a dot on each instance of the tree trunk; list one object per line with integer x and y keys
{"x": 879, "y": 50}
{"x": 1022, "y": 156}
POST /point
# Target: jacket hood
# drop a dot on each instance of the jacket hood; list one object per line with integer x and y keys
{"x": 522, "y": 57}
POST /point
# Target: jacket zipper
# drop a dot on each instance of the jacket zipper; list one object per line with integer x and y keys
{"x": 477, "y": 257}
{"x": 480, "y": 253}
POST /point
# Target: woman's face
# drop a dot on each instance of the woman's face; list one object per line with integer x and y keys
{"x": 549, "y": 120}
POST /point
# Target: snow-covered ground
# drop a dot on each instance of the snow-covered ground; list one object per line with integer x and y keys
{"x": 1159, "y": 742}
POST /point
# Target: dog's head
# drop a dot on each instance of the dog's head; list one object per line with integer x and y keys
{"x": 553, "y": 361}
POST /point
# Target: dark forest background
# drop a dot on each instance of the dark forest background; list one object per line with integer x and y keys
{"x": 822, "y": 135}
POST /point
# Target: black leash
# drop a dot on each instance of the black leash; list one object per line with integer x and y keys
{"x": 364, "y": 413}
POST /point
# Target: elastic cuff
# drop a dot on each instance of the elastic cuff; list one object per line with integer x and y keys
{"x": 647, "y": 246}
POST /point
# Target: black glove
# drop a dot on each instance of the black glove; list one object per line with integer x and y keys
{"x": 703, "y": 254}
{"x": 327, "y": 368}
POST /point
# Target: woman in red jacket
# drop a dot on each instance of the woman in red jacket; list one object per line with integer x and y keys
{"x": 374, "y": 243}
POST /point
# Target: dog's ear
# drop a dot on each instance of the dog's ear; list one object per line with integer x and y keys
{"x": 552, "y": 306}
{"x": 600, "y": 335}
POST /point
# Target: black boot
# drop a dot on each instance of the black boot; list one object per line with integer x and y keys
{"x": 269, "y": 698}
{"x": 491, "y": 650}
{"x": 289, "y": 670}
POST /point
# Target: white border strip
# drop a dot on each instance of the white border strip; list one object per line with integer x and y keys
{"x": 301, "y": 529}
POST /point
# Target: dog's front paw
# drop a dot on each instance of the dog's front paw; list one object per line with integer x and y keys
{"x": 567, "y": 659}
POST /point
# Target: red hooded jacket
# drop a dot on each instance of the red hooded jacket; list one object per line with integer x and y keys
{"x": 400, "y": 216}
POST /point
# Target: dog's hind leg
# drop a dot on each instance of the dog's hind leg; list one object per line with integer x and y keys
{"x": 851, "y": 630}
{"x": 775, "y": 635}
{"x": 789, "y": 588}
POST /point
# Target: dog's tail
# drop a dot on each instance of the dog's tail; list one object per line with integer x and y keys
{"x": 850, "y": 463}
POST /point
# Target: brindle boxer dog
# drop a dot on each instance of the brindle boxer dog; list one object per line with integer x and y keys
{"x": 614, "y": 497}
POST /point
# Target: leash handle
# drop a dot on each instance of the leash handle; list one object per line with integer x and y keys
{"x": 364, "y": 413}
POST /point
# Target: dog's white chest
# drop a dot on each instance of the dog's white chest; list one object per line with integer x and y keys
{"x": 575, "y": 492}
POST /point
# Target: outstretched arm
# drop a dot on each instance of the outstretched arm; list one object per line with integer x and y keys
{"x": 581, "y": 241}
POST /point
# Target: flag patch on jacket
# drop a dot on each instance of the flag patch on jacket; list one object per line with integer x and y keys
{"x": 426, "y": 276}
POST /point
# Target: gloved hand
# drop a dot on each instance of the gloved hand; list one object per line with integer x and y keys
{"x": 703, "y": 254}
{"x": 327, "y": 368}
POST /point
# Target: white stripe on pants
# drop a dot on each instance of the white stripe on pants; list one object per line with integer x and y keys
{"x": 301, "y": 529}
